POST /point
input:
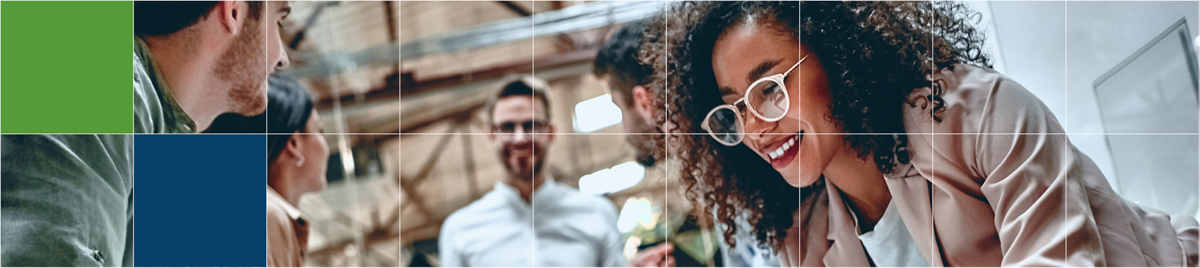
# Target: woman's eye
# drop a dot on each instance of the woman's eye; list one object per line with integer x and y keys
{"x": 770, "y": 89}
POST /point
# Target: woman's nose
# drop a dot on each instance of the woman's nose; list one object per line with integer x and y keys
{"x": 756, "y": 128}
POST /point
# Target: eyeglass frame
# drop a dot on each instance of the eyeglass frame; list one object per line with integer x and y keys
{"x": 778, "y": 79}
{"x": 519, "y": 127}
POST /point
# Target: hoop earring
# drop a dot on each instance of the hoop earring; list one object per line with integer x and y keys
{"x": 300, "y": 161}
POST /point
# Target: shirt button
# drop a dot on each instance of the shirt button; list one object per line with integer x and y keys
{"x": 98, "y": 256}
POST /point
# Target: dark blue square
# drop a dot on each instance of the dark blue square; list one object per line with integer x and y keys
{"x": 200, "y": 200}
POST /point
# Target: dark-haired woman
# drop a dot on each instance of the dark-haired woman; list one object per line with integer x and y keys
{"x": 857, "y": 103}
{"x": 296, "y": 155}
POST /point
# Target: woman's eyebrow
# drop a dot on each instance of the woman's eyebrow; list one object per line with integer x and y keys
{"x": 726, "y": 91}
{"x": 761, "y": 70}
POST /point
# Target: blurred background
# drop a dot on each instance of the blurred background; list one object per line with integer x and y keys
{"x": 1121, "y": 77}
{"x": 456, "y": 53}
{"x": 347, "y": 55}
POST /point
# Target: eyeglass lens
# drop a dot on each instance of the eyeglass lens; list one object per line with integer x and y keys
{"x": 724, "y": 125}
{"x": 768, "y": 99}
{"x": 526, "y": 127}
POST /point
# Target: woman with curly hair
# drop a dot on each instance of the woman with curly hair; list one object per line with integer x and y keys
{"x": 856, "y": 104}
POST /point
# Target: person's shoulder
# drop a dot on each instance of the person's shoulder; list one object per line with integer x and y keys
{"x": 966, "y": 96}
{"x": 991, "y": 100}
{"x": 976, "y": 84}
{"x": 147, "y": 109}
{"x": 276, "y": 214}
{"x": 67, "y": 154}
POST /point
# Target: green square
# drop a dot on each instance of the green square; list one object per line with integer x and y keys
{"x": 70, "y": 67}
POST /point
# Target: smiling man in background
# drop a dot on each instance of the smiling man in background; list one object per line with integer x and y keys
{"x": 528, "y": 219}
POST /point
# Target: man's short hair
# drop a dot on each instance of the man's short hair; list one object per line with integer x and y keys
{"x": 619, "y": 60}
{"x": 520, "y": 86}
{"x": 157, "y": 18}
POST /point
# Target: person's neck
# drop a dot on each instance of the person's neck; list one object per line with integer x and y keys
{"x": 281, "y": 177}
{"x": 863, "y": 184}
{"x": 186, "y": 71}
{"x": 289, "y": 194}
{"x": 526, "y": 187}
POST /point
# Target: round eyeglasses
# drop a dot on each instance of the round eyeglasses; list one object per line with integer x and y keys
{"x": 766, "y": 98}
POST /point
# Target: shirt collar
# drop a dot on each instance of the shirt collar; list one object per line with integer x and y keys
{"x": 177, "y": 121}
{"x": 292, "y": 212}
{"x": 547, "y": 190}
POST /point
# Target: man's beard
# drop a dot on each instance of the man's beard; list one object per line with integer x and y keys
{"x": 520, "y": 172}
{"x": 243, "y": 68}
{"x": 644, "y": 144}
{"x": 527, "y": 175}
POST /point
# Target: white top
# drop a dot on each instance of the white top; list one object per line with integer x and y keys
{"x": 568, "y": 229}
{"x": 890, "y": 244}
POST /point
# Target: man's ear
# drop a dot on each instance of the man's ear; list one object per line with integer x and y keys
{"x": 644, "y": 103}
{"x": 491, "y": 137}
{"x": 550, "y": 134}
{"x": 231, "y": 14}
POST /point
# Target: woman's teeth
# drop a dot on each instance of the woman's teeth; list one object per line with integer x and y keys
{"x": 779, "y": 152}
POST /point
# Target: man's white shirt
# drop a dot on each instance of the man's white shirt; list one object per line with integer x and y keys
{"x": 562, "y": 228}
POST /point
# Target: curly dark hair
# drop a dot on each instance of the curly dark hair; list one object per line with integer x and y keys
{"x": 874, "y": 54}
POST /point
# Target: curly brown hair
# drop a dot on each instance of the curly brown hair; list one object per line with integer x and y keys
{"x": 874, "y": 54}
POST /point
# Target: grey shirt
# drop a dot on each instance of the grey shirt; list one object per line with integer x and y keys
{"x": 154, "y": 108}
{"x": 66, "y": 200}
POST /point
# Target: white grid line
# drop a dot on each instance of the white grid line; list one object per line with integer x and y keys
{"x": 799, "y": 156}
{"x": 1066, "y": 112}
{"x": 666, "y": 136}
{"x": 646, "y": 134}
{"x": 533, "y": 114}
{"x": 400, "y": 145}
{"x": 706, "y": 134}
{"x": 933, "y": 140}
{"x": 266, "y": 156}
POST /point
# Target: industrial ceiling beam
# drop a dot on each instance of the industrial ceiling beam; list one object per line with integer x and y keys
{"x": 515, "y": 8}
{"x": 325, "y": 63}
{"x": 570, "y": 19}
{"x": 309, "y": 22}
{"x": 434, "y": 100}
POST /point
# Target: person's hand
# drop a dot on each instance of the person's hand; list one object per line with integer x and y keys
{"x": 658, "y": 256}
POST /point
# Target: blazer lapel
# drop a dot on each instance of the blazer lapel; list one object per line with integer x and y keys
{"x": 910, "y": 193}
{"x": 845, "y": 249}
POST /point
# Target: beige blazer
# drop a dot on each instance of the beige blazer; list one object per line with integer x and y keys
{"x": 287, "y": 232}
{"x": 998, "y": 183}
